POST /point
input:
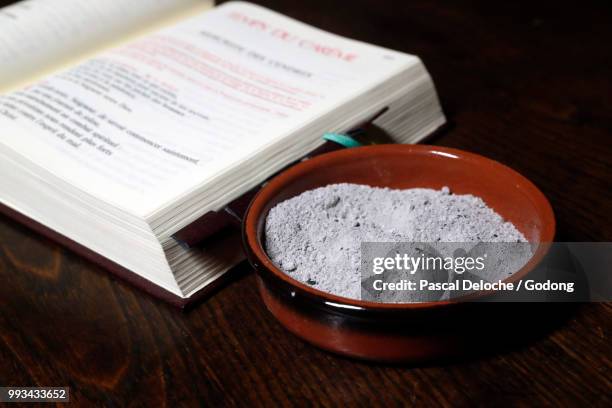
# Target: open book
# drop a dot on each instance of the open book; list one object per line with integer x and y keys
{"x": 123, "y": 122}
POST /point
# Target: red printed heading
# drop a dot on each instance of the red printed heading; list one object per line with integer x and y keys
{"x": 284, "y": 35}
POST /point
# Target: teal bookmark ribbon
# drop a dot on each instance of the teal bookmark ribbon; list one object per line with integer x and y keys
{"x": 342, "y": 139}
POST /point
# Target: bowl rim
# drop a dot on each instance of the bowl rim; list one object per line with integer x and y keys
{"x": 264, "y": 266}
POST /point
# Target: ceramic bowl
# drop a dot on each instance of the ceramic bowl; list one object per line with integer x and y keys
{"x": 396, "y": 332}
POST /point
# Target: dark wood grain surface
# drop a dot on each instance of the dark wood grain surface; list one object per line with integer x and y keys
{"x": 526, "y": 84}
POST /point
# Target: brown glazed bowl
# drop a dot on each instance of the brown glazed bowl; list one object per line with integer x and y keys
{"x": 399, "y": 332}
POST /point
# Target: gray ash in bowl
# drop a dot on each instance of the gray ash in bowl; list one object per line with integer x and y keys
{"x": 316, "y": 236}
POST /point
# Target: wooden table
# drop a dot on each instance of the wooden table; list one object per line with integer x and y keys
{"x": 528, "y": 85}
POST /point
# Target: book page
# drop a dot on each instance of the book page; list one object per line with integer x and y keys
{"x": 141, "y": 124}
{"x": 37, "y": 36}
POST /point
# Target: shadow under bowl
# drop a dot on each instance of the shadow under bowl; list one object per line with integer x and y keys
{"x": 409, "y": 331}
